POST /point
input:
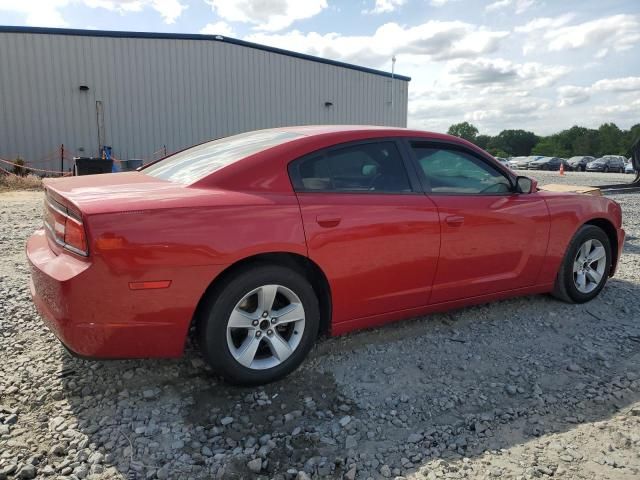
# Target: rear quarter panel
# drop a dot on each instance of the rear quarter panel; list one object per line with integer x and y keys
{"x": 189, "y": 246}
{"x": 567, "y": 213}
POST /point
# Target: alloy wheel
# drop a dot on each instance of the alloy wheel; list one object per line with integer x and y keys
{"x": 265, "y": 327}
{"x": 589, "y": 266}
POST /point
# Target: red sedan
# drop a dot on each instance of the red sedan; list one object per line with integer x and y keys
{"x": 263, "y": 240}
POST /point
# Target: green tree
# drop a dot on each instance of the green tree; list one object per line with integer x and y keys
{"x": 499, "y": 153}
{"x": 587, "y": 143}
{"x": 611, "y": 140}
{"x": 463, "y": 130}
{"x": 483, "y": 141}
{"x": 515, "y": 142}
{"x": 545, "y": 147}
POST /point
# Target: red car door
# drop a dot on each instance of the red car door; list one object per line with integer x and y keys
{"x": 369, "y": 228}
{"x": 493, "y": 239}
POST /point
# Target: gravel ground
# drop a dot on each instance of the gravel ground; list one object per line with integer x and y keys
{"x": 523, "y": 388}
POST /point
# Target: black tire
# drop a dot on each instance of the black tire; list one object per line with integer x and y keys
{"x": 583, "y": 169}
{"x": 564, "y": 288}
{"x": 606, "y": 169}
{"x": 212, "y": 320}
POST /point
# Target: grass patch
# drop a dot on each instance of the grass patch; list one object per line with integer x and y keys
{"x": 17, "y": 182}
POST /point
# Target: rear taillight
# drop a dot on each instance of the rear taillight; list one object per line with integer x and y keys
{"x": 65, "y": 227}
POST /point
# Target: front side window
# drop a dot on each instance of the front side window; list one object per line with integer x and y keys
{"x": 457, "y": 172}
{"x": 363, "y": 168}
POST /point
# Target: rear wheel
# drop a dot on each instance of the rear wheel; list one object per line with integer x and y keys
{"x": 585, "y": 268}
{"x": 260, "y": 326}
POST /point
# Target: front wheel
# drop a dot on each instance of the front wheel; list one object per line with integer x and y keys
{"x": 260, "y": 326}
{"x": 585, "y": 268}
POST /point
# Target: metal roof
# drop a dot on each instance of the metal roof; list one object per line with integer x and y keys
{"x": 193, "y": 36}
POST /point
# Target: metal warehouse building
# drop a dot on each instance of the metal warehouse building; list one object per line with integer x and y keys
{"x": 142, "y": 92}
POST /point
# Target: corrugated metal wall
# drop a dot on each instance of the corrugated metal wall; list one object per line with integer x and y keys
{"x": 172, "y": 92}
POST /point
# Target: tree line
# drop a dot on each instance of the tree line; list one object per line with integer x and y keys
{"x": 608, "y": 139}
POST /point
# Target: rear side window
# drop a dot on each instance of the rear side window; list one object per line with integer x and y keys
{"x": 197, "y": 162}
{"x": 362, "y": 168}
{"x": 451, "y": 171}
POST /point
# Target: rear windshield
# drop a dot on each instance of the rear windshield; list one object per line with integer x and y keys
{"x": 197, "y": 162}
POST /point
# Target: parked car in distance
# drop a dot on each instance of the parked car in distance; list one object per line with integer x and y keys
{"x": 579, "y": 163}
{"x": 608, "y": 163}
{"x": 503, "y": 161}
{"x": 259, "y": 242}
{"x": 520, "y": 163}
{"x": 545, "y": 163}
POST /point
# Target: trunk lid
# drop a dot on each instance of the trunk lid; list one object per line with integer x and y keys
{"x": 108, "y": 193}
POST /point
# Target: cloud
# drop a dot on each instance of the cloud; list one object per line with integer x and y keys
{"x": 46, "y": 13}
{"x": 482, "y": 71}
{"x": 440, "y": 3}
{"x": 523, "y": 76}
{"x": 614, "y": 33}
{"x": 43, "y": 13}
{"x": 433, "y": 40}
{"x": 493, "y": 93}
{"x": 385, "y": 6}
{"x": 218, "y": 28}
{"x": 269, "y": 16}
{"x": 170, "y": 10}
{"x": 520, "y": 6}
{"x": 627, "y": 109}
{"x": 491, "y": 112}
{"x": 626, "y": 84}
{"x": 572, "y": 95}
{"x": 545, "y": 23}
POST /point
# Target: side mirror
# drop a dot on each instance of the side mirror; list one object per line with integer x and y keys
{"x": 526, "y": 185}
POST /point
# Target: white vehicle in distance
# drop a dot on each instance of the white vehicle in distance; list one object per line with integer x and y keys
{"x": 519, "y": 163}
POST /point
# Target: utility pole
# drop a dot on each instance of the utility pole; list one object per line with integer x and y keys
{"x": 62, "y": 158}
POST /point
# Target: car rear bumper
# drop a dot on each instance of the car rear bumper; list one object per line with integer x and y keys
{"x": 95, "y": 314}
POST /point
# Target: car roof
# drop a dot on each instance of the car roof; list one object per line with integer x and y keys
{"x": 312, "y": 130}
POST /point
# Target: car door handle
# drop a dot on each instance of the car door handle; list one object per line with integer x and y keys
{"x": 454, "y": 220}
{"x": 327, "y": 221}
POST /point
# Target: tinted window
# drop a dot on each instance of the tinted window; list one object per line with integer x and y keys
{"x": 197, "y": 162}
{"x": 370, "y": 167}
{"x": 456, "y": 172}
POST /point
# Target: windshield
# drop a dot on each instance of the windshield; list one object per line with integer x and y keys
{"x": 197, "y": 162}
